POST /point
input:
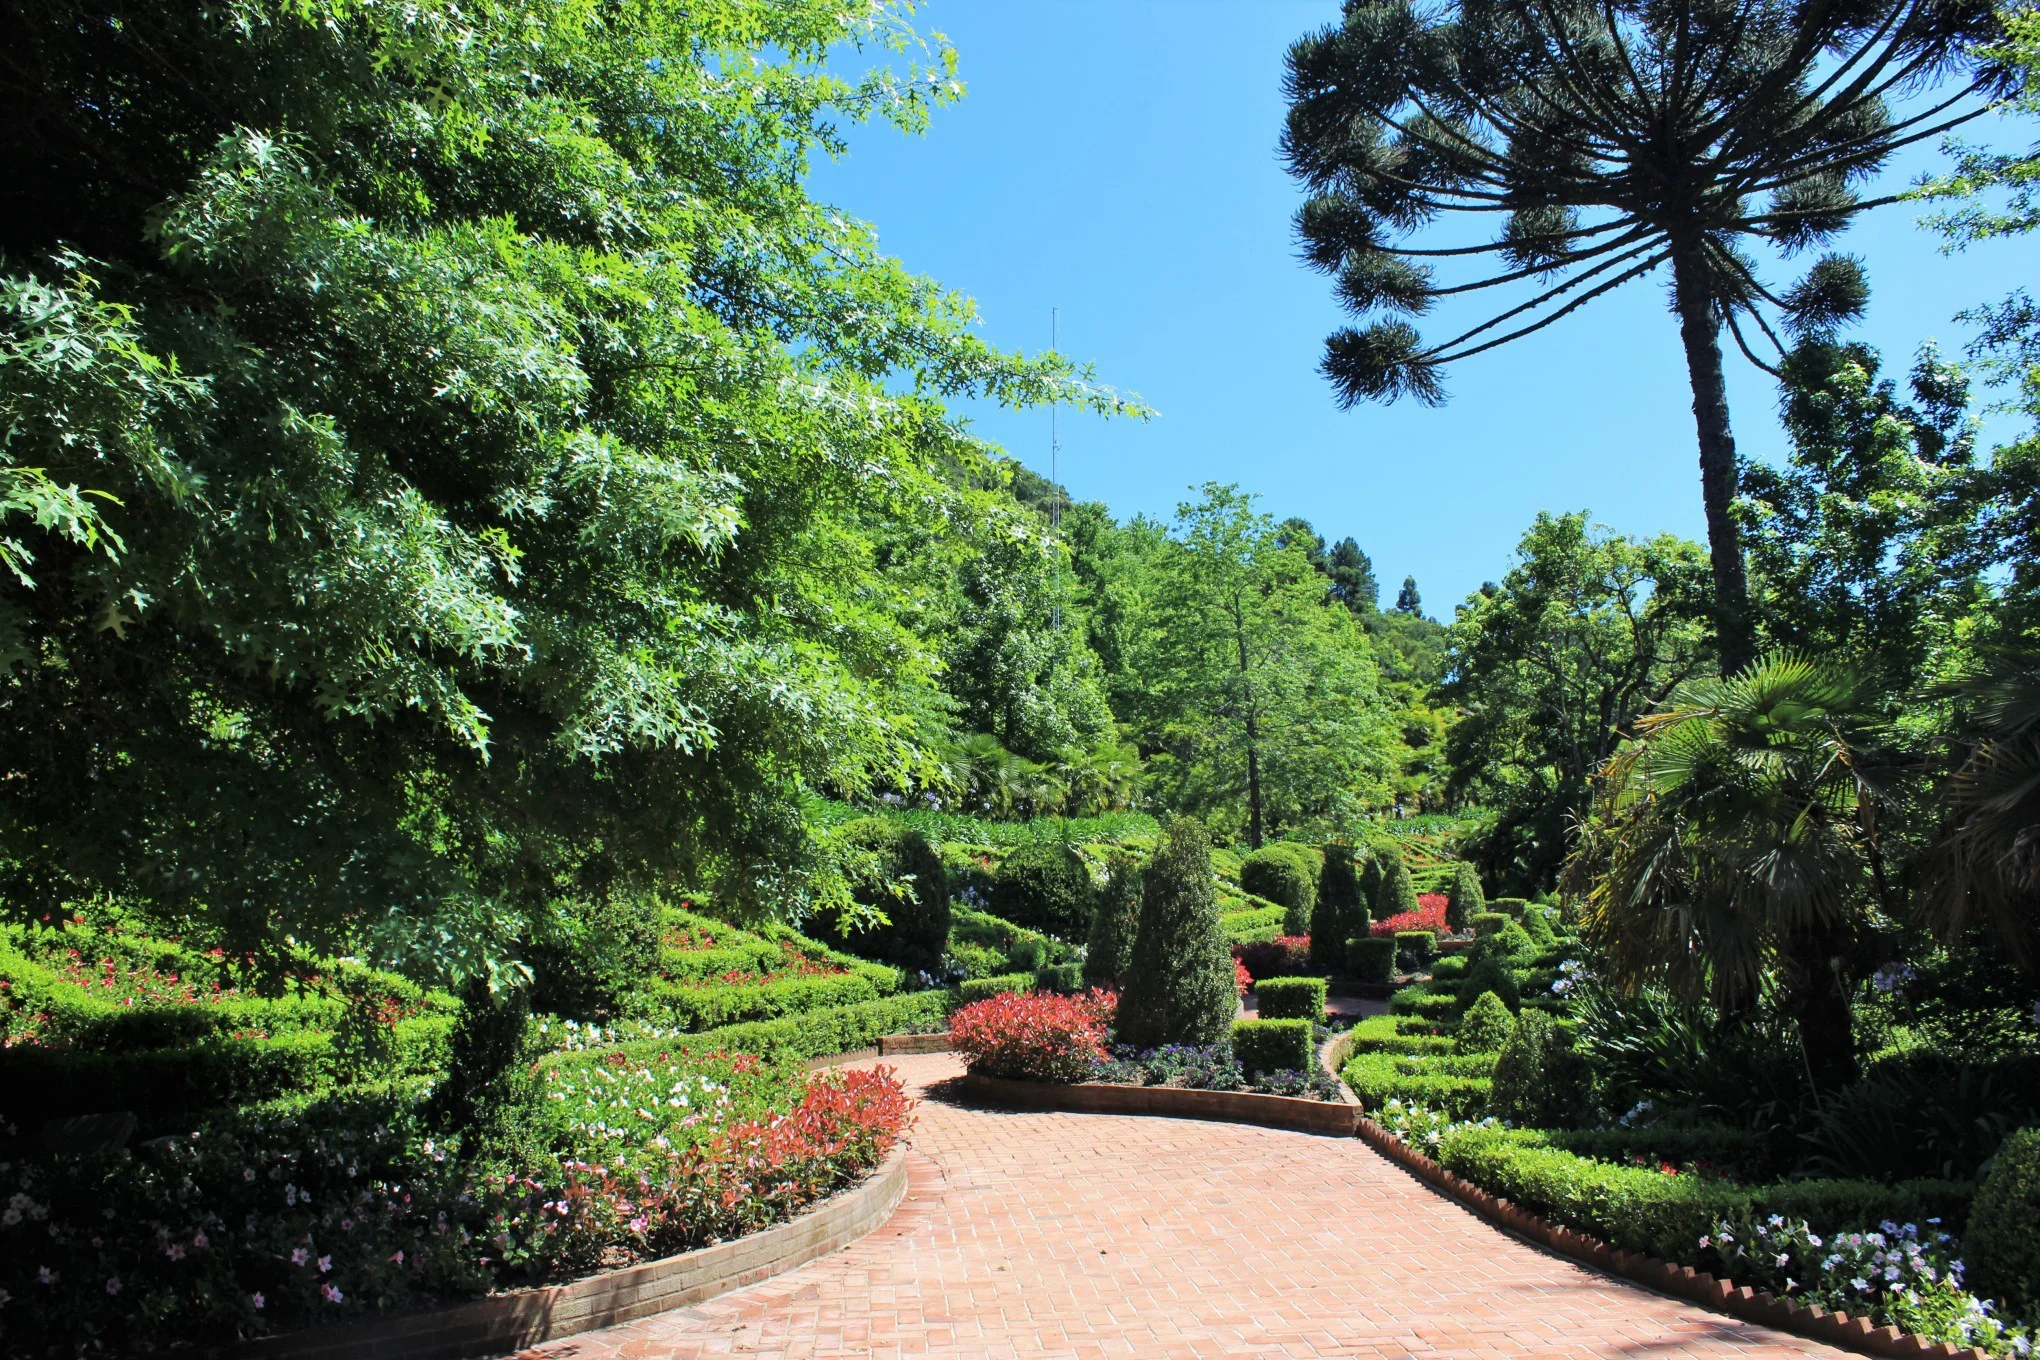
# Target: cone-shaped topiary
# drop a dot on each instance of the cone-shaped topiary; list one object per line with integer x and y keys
{"x": 1465, "y": 899}
{"x": 1398, "y": 892}
{"x": 1341, "y": 911}
{"x": 1486, "y": 1026}
{"x": 1114, "y": 921}
{"x": 1179, "y": 984}
{"x": 897, "y": 871}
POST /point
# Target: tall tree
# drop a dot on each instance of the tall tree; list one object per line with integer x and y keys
{"x": 1551, "y": 666}
{"x": 1612, "y": 140}
{"x": 1407, "y": 601}
{"x": 1352, "y": 577}
{"x": 487, "y": 431}
{"x": 1254, "y": 693}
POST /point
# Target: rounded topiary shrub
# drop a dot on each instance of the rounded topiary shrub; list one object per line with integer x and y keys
{"x": 894, "y": 870}
{"x": 1537, "y": 923}
{"x": 1109, "y": 947}
{"x": 1464, "y": 900}
{"x": 1485, "y": 1027}
{"x": 1397, "y": 894}
{"x": 1286, "y": 874}
{"x": 1341, "y": 913}
{"x": 1539, "y": 1082}
{"x": 1044, "y": 887}
{"x": 1370, "y": 959}
{"x": 1180, "y": 985}
{"x": 2002, "y": 1244}
{"x": 1489, "y": 974}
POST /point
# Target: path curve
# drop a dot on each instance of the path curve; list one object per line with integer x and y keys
{"x": 1082, "y": 1236}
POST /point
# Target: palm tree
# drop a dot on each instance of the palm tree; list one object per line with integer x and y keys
{"x": 1609, "y": 138}
{"x": 1729, "y": 843}
{"x": 1985, "y": 868}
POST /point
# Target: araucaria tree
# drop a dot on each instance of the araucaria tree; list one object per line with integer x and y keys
{"x": 1607, "y": 141}
{"x": 1179, "y": 984}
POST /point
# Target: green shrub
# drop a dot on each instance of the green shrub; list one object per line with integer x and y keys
{"x": 1422, "y": 1000}
{"x": 1019, "y": 948}
{"x": 710, "y": 1005}
{"x": 1490, "y": 974}
{"x": 1539, "y": 1080}
{"x": 1256, "y": 925}
{"x": 1113, "y": 921}
{"x": 1465, "y": 900}
{"x": 1416, "y": 945}
{"x": 893, "y": 869}
{"x": 1514, "y": 942}
{"x": 588, "y": 957}
{"x": 1383, "y": 1034}
{"x": 1488, "y": 923}
{"x": 1291, "y": 998}
{"x": 1486, "y": 1026}
{"x": 1397, "y": 893}
{"x": 1537, "y": 924}
{"x": 1638, "y": 1208}
{"x": 1511, "y": 907}
{"x": 814, "y": 1034}
{"x": 1179, "y": 984}
{"x": 1449, "y": 967}
{"x": 1285, "y": 873}
{"x": 1060, "y": 977}
{"x": 1370, "y": 959}
{"x": 1341, "y": 910}
{"x": 1378, "y": 1077}
{"x": 977, "y": 989}
{"x": 1044, "y": 886}
{"x": 1272, "y": 1045}
{"x": 2002, "y": 1244}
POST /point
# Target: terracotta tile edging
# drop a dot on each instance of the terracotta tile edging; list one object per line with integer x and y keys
{"x": 1340, "y": 1118}
{"x": 1684, "y": 1282}
{"x": 504, "y": 1323}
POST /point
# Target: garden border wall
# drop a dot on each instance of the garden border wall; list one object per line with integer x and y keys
{"x": 1340, "y": 1118}
{"x": 504, "y": 1323}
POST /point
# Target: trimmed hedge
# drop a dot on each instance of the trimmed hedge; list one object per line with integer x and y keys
{"x": 1180, "y": 986}
{"x": 711, "y": 1005}
{"x": 1257, "y": 925}
{"x": 1272, "y": 1045}
{"x": 1422, "y": 1000}
{"x": 1377, "y": 1078}
{"x": 1639, "y": 1208}
{"x": 1286, "y": 873}
{"x": 1372, "y": 960}
{"x": 1511, "y": 907}
{"x": 977, "y": 989}
{"x": 1291, "y": 998}
{"x": 1022, "y": 948}
{"x": 1486, "y": 1025}
{"x": 1114, "y": 918}
{"x": 1539, "y": 1080}
{"x": 2003, "y": 1237}
{"x": 1464, "y": 900}
{"x": 1487, "y": 923}
{"x": 816, "y": 1034}
{"x": 1420, "y": 945}
{"x": 1449, "y": 968}
{"x": 1045, "y": 887}
{"x": 1382, "y": 1034}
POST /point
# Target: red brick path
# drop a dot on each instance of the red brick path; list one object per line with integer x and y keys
{"x": 1076, "y": 1236}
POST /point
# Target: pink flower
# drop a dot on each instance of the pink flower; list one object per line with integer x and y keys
{"x": 257, "y": 1299}
{"x": 200, "y": 1240}
{"x": 398, "y": 1257}
{"x": 299, "y": 1256}
{"x": 175, "y": 1251}
{"x": 325, "y": 1264}
{"x": 330, "y": 1294}
{"x": 113, "y": 1284}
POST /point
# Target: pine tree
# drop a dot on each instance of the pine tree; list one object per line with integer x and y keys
{"x": 1397, "y": 893}
{"x": 1407, "y": 601}
{"x": 1179, "y": 985}
{"x": 1466, "y": 900}
{"x": 1114, "y": 921}
{"x": 1341, "y": 910}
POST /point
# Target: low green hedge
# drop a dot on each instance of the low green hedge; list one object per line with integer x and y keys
{"x": 1380, "y": 1034}
{"x": 1488, "y": 923}
{"x": 1420, "y": 945}
{"x": 1377, "y": 1078}
{"x": 1022, "y": 948}
{"x": 1060, "y": 977}
{"x": 1639, "y": 1208}
{"x": 162, "y": 1086}
{"x": 1511, "y": 907}
{"x": 1372, "y": 959}
{"x": 1272, "y": 1045}
{"x": 712, "y": 1005}
{"x": 1253, "y": 925}
{"x": 977, "y": 989}
{"x": 814, "y": 1034}
{"x": 1452, "y": 966}
{"x": 1291, "y": 998}
{"x": 1426, "y": 999}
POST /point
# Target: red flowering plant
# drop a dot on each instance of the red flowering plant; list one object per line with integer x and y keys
{"x": 1035, "y": 1036}
{"x": 1243, "y": 981}
{"x": 1283, "y": 956}
{"x": 1429, "y": 915}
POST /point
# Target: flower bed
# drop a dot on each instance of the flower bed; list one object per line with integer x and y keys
{"x": 274, "y": 1219}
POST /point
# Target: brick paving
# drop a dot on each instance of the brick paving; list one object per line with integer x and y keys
{"x": 1079, "y": 1237}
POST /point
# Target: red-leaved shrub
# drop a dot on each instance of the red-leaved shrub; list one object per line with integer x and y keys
{"x": 1283, "y": 956}
{"x": 1429, "y": 915}
{"x": 1242, "y": 979}
{"x": 1034, "y": 1036}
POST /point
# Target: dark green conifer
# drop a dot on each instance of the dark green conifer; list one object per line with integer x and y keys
{"x": 1397, "y": 892}
{"x": 1341, "y": 910}
{"x": 1179, "y": 984}
{"x": 1114, "y": 921}
{"x": 1466, "y": 898}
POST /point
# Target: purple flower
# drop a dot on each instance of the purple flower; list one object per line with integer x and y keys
{"x": 330, "y": 1293}
{"x": 113, "y": 1284}
{"x": 325, "y": 1264}
{"x": 257, "y": 1299}
{"x": 44, "y": 1275}
{"x": 299, "y": 1256}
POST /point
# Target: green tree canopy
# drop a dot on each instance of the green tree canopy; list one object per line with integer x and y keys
{"x": 445, "y": 448}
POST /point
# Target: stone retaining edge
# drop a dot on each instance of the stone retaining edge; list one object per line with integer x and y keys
{"x": 1684, "y": 1282}
{"x": 1340, "y": 1118}
{"x": 505, "y": 1323}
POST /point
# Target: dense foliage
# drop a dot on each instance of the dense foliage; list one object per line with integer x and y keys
{"x": 1179, "y": 983}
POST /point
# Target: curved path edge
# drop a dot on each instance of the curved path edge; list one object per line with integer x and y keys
{"x": 1340, "y": 1118}
{"x": 503, "y": 1323}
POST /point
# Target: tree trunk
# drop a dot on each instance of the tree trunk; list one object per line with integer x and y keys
{"x": 1821, "y": 1003}
{"x": 1702, "y": 336}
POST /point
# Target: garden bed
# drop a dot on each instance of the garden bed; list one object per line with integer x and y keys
{"x": 1340, "y": 1117}
{"x": 512, "y": 1321}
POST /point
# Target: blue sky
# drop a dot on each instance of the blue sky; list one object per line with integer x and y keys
{"x": 1116, "y": 159}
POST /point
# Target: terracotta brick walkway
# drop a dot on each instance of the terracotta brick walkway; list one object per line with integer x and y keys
{"x": 1079, "y": 1236}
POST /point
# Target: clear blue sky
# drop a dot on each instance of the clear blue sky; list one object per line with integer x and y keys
{"x": 1116, "y": 159}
